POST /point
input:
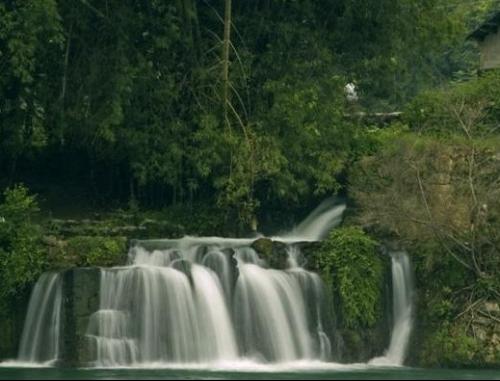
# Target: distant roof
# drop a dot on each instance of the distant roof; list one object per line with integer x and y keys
{"x": 488, "y": 27}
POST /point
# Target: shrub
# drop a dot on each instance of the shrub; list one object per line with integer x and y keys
{"x": 22, "y": 258}
{"x": 349, "y": 257}
{"x": 454, "y": 346}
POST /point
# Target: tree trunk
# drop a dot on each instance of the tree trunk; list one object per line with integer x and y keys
{"x": 225, "y": 61}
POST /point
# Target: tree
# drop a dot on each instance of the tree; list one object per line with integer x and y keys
{"x": 30, "y": 39}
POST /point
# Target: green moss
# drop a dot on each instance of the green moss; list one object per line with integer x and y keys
{"x": 97, "y": 251}
{"x": 349, "y": 261}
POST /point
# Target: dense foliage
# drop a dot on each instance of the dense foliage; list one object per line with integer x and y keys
{"x": 21, "y": 258}
{"x": 456, "y": 108}
{"x": 350, "y": 262}
{"x": 122, "y": 102}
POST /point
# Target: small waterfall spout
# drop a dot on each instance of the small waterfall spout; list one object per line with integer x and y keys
{"x": 317, "y": 225}
{"x": 402, "y": 290}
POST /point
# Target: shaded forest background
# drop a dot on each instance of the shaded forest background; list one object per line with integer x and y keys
{"x": 120, "y": 103}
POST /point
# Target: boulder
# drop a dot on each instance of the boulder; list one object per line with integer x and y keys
{"x": 273, "y": 252}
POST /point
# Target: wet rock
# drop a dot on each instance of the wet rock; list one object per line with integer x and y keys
{"x": 185, "y": 267}
{"x": 309, "y": 252}
{"x": 264, "y": 247}
{"x": 273, "y": 252}
{"x": 81, "y": 288}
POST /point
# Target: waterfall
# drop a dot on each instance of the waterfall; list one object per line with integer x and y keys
{"x": 41, "y": 334}
{"x": 402, "y": 290}
{"x": 204, "y": 302}
{"x": 209, "y": 301}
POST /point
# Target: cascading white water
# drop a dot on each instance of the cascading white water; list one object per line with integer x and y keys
{"x": 41, "y": 334}
{"x": 402, "y": 290}
{"x": 175, "y": 313}
{"x": 271, "y": 315}
{"x": 179, "y": 306}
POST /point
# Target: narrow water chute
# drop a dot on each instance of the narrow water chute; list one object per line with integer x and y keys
{"x": 40, "y": 341}
{"x": 402, "y": 291}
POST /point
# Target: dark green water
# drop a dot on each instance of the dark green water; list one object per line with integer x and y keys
{"x": 178, "y": 374}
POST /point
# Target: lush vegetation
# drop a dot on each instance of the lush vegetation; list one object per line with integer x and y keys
{"x": 351, "y": 264}
{"x": 211, "y": 121}
{"x": 21, "y": 257}
{"x": 130, "y": 103}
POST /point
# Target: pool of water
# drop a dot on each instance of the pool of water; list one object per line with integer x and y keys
{"x": 348, "y": 373}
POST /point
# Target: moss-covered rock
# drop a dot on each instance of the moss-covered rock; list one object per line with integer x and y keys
{"x": 310, "y": 252}
{"x": 115, "y": 225}
{"x": 273, "y": 252}
{"x": 86, "y": 251}
{"x": 172, "y": 222}
{"x": 263, "y": 246}
{"x": 98, "y": 251}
